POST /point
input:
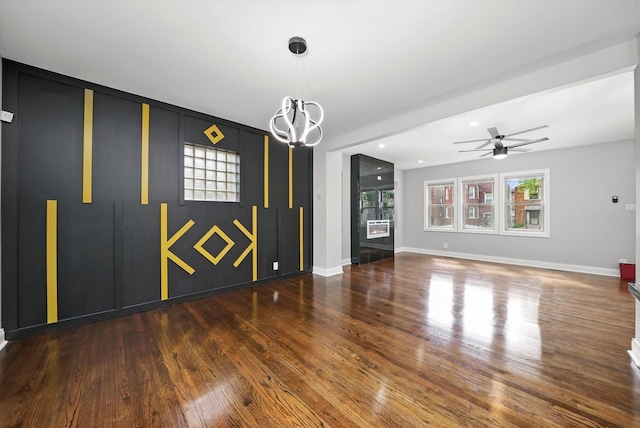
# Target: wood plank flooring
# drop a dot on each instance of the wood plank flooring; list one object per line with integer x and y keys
{"x": 412, "y": 341}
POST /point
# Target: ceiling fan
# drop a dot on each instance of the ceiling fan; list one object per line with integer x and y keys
{"x": 499, "y": 150}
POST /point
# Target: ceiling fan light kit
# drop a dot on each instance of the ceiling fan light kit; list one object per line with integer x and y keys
{"x": 500, "y": 153}
{"x": 499, "y": 150}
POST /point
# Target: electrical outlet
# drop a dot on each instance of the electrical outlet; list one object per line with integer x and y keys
{"x": 446, "y": 245}
{"x": 622, "y": 260}
{"x": 275, "y": 265}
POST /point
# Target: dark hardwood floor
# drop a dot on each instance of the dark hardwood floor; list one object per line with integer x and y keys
{"x": 408, "y": 342}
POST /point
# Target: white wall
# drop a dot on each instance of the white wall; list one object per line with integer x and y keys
{"x": 635, "y": 342}
{"x": 589, "y": 233}
{"x": 398, "y": 176}
{"x": 2, "y": 341}
{"x": 346, "y": 209}
{"x": 327, "y": 233}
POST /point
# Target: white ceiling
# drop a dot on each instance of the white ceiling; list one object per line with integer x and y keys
{"x": 367, "y": 61}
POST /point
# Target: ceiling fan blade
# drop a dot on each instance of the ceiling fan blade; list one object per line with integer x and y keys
{"x": 515, "y": 139}
{"x": 486, "y": 154}
{"x": 528, "y": 130}
{"x": 519, "y": 150}
{"x": 471, "y": 141}
{"x": 485, "y": 144}
{"x": 494, "y": 132}
{"x": 474, "y": 150}
{"x": 528, "y": 142}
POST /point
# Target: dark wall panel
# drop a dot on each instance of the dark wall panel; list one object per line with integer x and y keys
{"x": 206, "y": 275}
{"x": 117, "y": 136}
{"x": 252, "y": 172}
{"x": 289, "y": 242}
{"x": 49, "y": 156}
{"x": 141, "y": 254}
{"x": 303, "y": 197}
{"x": 112, "y": 249}
{"x": 267, "y": 237}
{"x": 164, "y": 156}
{"x": 85, "y": 259}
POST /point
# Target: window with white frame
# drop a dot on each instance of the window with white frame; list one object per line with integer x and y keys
{"x": 440, "y": 202}
{"x": 477, "y": 202}
{"x": 211, "y": 174}
{"x": 526, "y": 210}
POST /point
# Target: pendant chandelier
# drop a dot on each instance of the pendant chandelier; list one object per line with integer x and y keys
{"x": 297, "y": 122}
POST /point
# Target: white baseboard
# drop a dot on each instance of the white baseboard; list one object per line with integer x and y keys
{"x": 519, "y": 262}
{"x": 2, "y": 341}
{"x": 327, "y": 272}
{"x": 634, "y": 352}
{"x": 505, "y": 260}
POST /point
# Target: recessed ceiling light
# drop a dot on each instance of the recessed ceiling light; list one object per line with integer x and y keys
{"x": 380, "y": 146}
{"x": 474, "y": 123}
{"x": 419, "y": 161}
{"x": 379, "y": 167}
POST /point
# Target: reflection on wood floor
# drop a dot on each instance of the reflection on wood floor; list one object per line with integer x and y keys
{"x": 407, "y": 342}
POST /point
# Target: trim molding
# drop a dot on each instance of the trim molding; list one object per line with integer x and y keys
{"x": 519, "y": 262}
{"x": 2, "y": 341}
{"x": 634, "y": 352}
{"x": 337, "y": 270}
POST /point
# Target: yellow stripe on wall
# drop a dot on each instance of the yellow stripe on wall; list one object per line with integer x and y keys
{"x": 254, "y": 255}
{"x": 144, "y": 167}
{"x": 87, "y": 147}
{"x": 266, "y": 171}
{"x": 290, "y": 177}
{"x": 164, "y": 259}
{"x": 253, "y": 245}
{"x": 52, "y": 261}
{"x": 166, "y": 254}
{"x": 301, "y": 238}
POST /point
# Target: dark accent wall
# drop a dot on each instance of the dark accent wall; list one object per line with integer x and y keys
{"x": 109, "y": 255}
{"x": 372, "y": 184}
